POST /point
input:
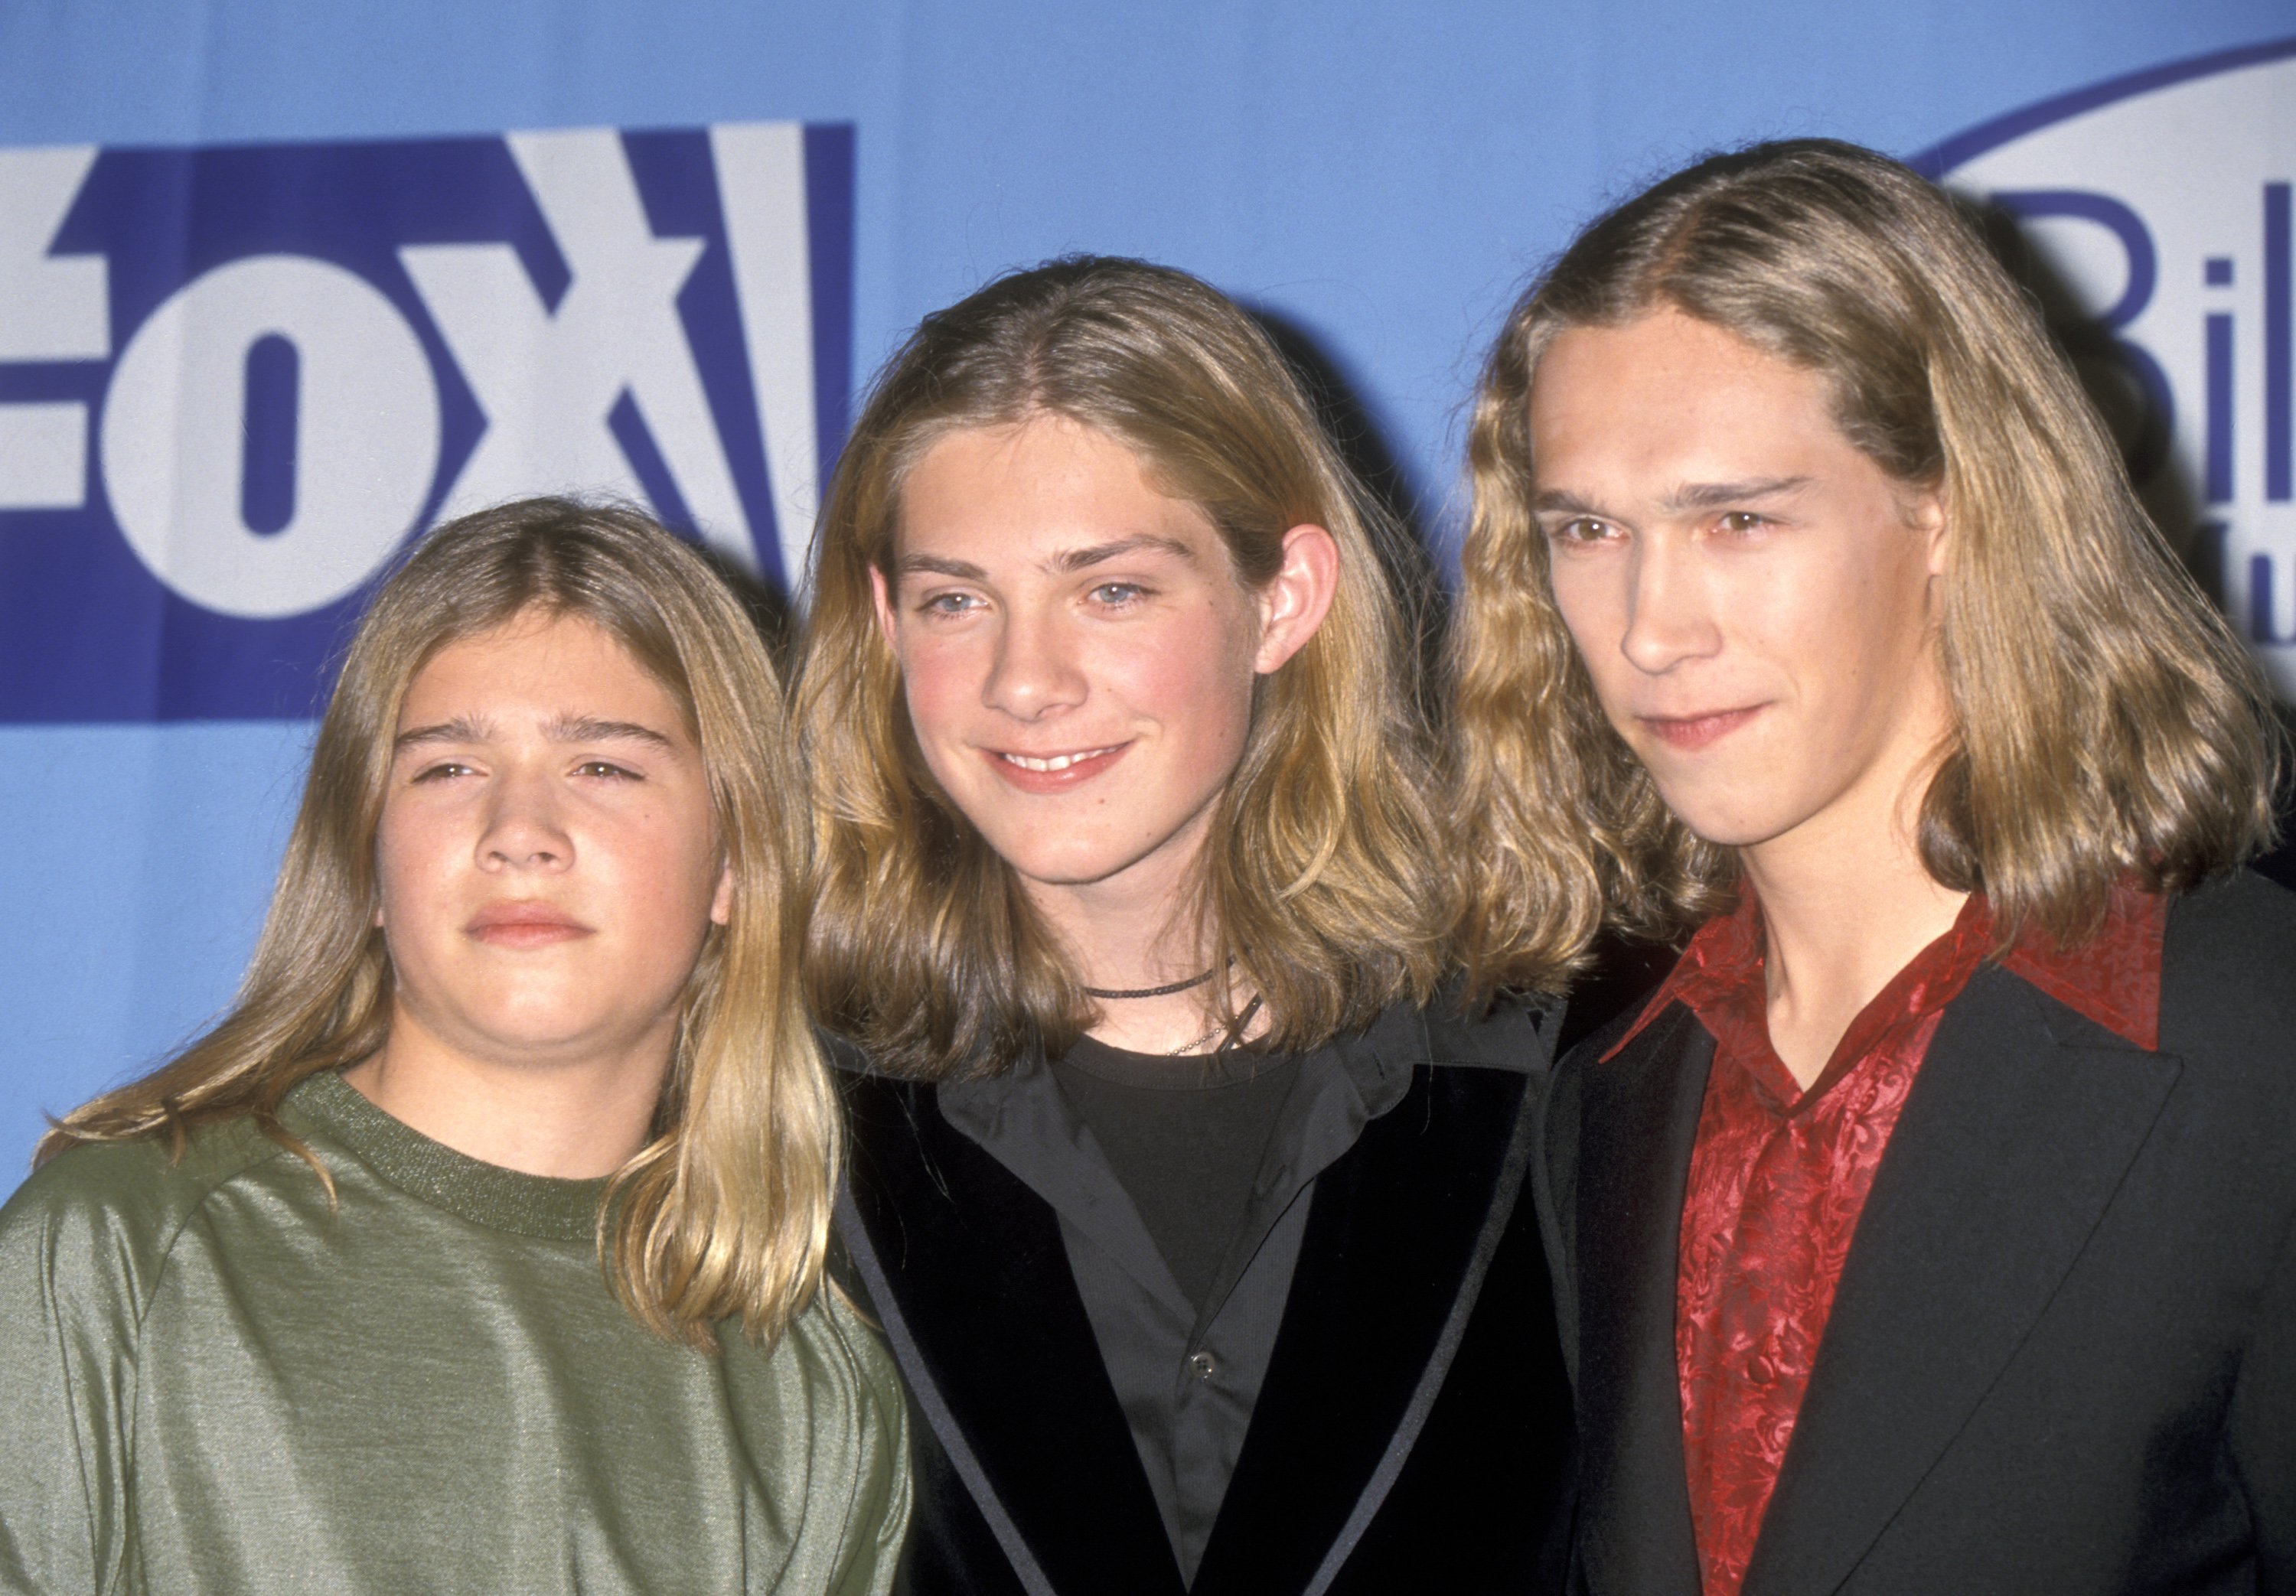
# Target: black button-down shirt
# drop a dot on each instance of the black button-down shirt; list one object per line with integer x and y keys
{"x": 1187, "y": 1376}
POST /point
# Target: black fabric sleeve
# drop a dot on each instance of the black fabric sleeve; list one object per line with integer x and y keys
{"x": 2263, "y": 1427}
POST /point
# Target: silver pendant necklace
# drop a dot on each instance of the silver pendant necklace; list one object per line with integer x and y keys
{"x": 1242, "y": 1024}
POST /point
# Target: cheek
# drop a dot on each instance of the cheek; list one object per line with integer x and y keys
{"x": 407, "y": 861}
{"x": 1197, "y": 685}
{"x": 936, "y": 682}
{"x": 937, "y": 700}
{"x": 1859, "y": 631}
{"x": 667, "y": 858}
{"x": 1588, "y": 590}
{"x": 414, "y": 905}
{"x": 1590, "y": 599}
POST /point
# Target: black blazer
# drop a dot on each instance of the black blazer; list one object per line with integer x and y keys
{"x": 1412, "y": 1430}
{"x": 2062, "y": 1353}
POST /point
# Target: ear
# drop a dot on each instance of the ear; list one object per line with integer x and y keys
{"x": 880, "y": 598}
{"x": 1296, "y": 599}
{"x": 1925, "y": 513}
{"x": 721, "y": 902}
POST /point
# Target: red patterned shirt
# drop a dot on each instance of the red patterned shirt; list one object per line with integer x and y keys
{"x": 1779, "y": 1175}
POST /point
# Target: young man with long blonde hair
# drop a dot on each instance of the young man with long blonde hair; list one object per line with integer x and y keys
{"x": 1196, "y": 1225}
{"x": 330, "y": 1301}
{"x": 1930, "y": 1228}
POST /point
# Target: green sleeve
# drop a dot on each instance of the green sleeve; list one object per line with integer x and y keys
{"x": 76, "y": 1256}
{"x": 878, "y": 1526}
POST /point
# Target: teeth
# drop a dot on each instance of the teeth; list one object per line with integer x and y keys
{"x": 1057, "y": 762}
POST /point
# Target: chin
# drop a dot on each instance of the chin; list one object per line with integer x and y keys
{"x": 1067, "y": 869}
{"x": 1713, "y": 819}
{"x": 543, "y": 1021}
{"x": 509, "y": 1039}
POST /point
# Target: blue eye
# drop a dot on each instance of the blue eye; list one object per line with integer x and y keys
{"x": 949, "y": 603}
{"x": 1113, "y": 594}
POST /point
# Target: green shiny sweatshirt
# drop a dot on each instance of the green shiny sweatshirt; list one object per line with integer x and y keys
{"x": 210, "y": 1382}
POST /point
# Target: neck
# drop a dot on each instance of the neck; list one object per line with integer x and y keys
{"x": 1136, "y": 929}
{"x": 1845, "y": 907}
{"x": 573, "y": 1118}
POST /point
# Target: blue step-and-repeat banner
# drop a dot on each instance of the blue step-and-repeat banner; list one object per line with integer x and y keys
{"x": 281, "y": 286}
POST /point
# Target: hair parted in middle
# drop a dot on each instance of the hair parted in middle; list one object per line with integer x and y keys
{"x": 2108, "y": 723}
{"x": 1319, "y": 878}
{"x": 724, "y": 1212}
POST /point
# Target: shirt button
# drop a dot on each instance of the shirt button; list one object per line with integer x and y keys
{"x": 1202, "y": 1365}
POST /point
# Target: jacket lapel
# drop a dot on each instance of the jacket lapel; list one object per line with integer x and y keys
{"x": 1397, "y": 1243}
{"x": 1638, "y": 1120}
{"x": 983, "y": 1314}
{"x": 2019, "y": 1128}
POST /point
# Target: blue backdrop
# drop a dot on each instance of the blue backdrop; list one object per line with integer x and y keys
{"x": 1380, "y": 179}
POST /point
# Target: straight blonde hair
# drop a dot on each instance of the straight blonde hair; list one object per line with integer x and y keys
{"x": 725, "y": 1210}
{"x": 2108, "y": 725}
{"x": 1319, "y": 882}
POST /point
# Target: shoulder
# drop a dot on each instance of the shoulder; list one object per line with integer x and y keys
{"x": 135, "y": 1188}
{"x": 884, "y": 1113}
{"x": 1625, "y": 1036}
{"x": 114, "y": 1208}
{"x": 2240, "y": 924}
{"x": 1513, "y": 1033}
{"x": 844, "y": 1359}
{"x": 1590, "y": 1048}
{"x": 864, "y": 1087}
{"x": 2228, "y": 967}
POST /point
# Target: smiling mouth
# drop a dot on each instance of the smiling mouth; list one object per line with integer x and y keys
{"x": 1056, "y": 761}
{"x": 1053, "y": 773}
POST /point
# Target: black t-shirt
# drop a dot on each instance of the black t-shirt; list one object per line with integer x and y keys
{"x": 1185, "y": 1137}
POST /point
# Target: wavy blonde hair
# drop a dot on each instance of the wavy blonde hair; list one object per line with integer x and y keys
{"x": 725, "y": 1210}
{"x": 1320, "y": 880}
{"x": 2108, "y": 725}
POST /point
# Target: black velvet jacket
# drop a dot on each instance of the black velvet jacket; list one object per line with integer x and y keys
{"x": 2062, "y": 1359}
{"x": 1414, "y": 1430}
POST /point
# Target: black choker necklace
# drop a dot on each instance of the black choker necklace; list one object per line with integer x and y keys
{"x": 1165, "y": 991}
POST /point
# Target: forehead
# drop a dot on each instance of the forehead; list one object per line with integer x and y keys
{"x": 1032, "y": 491}
{"x": 548, "y": 663}
{"x": 1667, "y": 394}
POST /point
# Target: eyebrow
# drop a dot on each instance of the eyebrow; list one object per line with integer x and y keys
{"x": 1076, "y": 560}
{"x": 1555, "y": 500}
{"x": 589, "y": 728}
{"x": 563, "y": 728}
{"x": 1714, "y": 495}
{"x": 963, "y": 570}
{"x": 462, "y": 728}
{"x": 1070, "y": 560}
{"x": 1690, "y": 495}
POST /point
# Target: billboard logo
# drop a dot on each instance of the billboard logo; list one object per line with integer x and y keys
{"x": 2161, "y": 204}
{"x": 235, "y": 381}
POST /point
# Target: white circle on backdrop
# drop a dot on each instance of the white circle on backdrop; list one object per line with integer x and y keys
{"x": 366, "y": 442}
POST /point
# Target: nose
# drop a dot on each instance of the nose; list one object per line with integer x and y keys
{"x": 525, "y": 826}
{"x": 1669, "y": 613}
{"x": 1036, "y": 670}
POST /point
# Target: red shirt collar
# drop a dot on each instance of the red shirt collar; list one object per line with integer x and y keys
{"x": 2113, "y": 978}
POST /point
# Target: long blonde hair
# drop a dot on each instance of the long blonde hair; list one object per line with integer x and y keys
{"x": 726, "y": 1209}
{"x": 2108, "y": 723}
{"x": 1320, "y": 880}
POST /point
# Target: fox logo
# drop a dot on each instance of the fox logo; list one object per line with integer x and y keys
{"x": 234, "y": 381}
